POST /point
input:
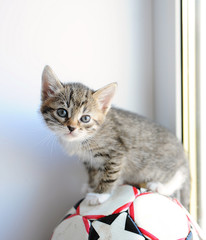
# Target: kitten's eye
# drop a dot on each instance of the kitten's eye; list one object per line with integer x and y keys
{"x": 85, "y": 118}
{"x": 62, "y": 112}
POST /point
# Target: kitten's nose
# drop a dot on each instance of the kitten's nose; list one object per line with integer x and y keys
{"x": 71, "y": 129}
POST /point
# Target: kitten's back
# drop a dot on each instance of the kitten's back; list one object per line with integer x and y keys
{"x": 144, "y": 143}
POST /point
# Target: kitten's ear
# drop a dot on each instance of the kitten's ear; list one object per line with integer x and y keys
{"x": 50, "y": 83}
{"x": 104, "y": 96}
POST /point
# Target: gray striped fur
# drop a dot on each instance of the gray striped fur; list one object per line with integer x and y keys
{"x": 117, "y": 146}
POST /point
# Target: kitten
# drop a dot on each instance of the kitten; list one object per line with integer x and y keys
{"x": 116, "y": 146}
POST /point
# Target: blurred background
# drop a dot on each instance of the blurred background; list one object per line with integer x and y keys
{"x": 136, "y": 43}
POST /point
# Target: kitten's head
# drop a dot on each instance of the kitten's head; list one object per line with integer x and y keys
{"x": 72, "y": 110}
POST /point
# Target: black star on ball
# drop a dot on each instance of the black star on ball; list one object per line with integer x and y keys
{"x": 117, "y": 226}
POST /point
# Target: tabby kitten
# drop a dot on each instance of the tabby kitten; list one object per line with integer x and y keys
{"x": 116, "y": 146}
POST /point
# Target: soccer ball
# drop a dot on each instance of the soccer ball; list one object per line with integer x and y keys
{"x": 129, "y": 214}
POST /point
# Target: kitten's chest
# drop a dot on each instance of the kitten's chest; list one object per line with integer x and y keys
{"x": 86, "y": 152}
{"x": 72, "y": 148}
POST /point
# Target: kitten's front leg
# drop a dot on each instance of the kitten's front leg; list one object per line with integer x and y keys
{"x": 92, "y": 178}
{"x": 109, "y": 178}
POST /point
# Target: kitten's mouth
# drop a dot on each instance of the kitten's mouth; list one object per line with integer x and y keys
{"x": 70, "y": 135}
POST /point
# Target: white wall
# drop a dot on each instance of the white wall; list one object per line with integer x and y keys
{"x": 167, "y": 64}
{"x": 93, "y": 41}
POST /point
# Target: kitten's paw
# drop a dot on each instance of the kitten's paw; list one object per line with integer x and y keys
{"x": 164, "y": 189}
{"x": 96, "y": 198}
{"x": 160, "y": 188}
{"x": 168, "y": 188}
{"x": 153, "y": 186}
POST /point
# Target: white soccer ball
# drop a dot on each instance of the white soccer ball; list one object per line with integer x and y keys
{"x": 129, "y": 214}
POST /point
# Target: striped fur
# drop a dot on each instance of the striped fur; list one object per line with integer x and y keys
{"x": 116, "y": 146}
